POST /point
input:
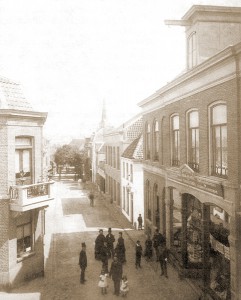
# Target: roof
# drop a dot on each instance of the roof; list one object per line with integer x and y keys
{"x": 11, "y": 96}
{"x": 135, "y": 149}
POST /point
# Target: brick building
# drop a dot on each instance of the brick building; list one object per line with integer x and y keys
{"x": 192, "y": 154}
{"x": 23, "y": 195}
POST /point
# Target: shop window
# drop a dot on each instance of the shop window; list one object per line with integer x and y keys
{"x": 156, "y": 141}
{"x": 193, "y": 140}
{"x": 219, "y": 165}
{"x": 24, "y": 239}
{"x": 175, "y": 141}
{"x": 23, "y": 160}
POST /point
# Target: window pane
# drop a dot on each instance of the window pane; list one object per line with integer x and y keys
{"x": 175, "y": 122}
{"x": 220, "y": 114}
{"x": 193, "y": 119}
{"x": 27, "y": 230}
{"x": 26, "y": 161}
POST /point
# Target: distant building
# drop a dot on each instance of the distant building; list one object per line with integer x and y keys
{"x": 23, "y": 194}
{"x": 192, "y": 154}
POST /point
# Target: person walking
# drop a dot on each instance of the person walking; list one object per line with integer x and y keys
{"x": 103, "y": 283}
{"x": 116, "y": 271}
{"x": 110, "y": 239}
{"x": 158, "y": 240}
{"x": 163, "y": 260}
{"x": 91, "y": 197}
{"x": 99, "y": 243}
{"x": 148, "y": 248}
{"x": 124, "y": 288}
{"x": 83, "y": 263}
{"x": 104, "y": 257}
{"x": 120, "y": 249}
{"x": 138, "y": 254}
{"x": 140, "y": 221}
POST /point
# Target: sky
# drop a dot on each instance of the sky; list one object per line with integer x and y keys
{"x": 71, "y": 55}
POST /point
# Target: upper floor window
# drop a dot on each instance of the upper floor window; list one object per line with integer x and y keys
{"x": 118, "y": 157}
{"x": 193, "y": 140}
{"x": 131, "y": 171}
{"x": 148, "y": 200}
{"x": 219, "y": 166}
{"x": 156, "y": 140}
{"x": 192, "y": 50}
{"x": 148, "y": 141}
{"x": 175, "y": 141}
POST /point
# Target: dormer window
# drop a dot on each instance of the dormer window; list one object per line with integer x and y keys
{"x": 192, "y": 50}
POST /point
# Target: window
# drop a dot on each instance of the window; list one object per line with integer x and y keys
{"x": 118, "y": 158}
{"x": 148, "y": 199}
{"x": 127, "y": 171}
{"x": 156, "y": 140}
{"x": 23, "y": 159}
{"x": 123, "y": 173}
{"x": 219, "y": 140}
{"x": 148, "y": 141}
{"x": 175, "y": 141}
{"x": 192, "y": 51}
{"x": 131, "y": 171}
{"x": 193, "y": 140}
{"x": 24, "y": 239}
{"x": 114, "y": 158}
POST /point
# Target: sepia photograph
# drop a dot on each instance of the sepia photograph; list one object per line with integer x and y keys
{"x": 120, "y": 146}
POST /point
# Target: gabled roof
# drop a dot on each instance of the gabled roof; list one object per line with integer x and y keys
{"x": 135, "y": 149}
{"x": 11, "y": 96}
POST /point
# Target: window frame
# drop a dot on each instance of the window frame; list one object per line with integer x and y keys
{"x": 175, "y": 142}
{"x": 194, "y": 164}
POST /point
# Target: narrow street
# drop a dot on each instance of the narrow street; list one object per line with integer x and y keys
{"x": 70, "y": 221}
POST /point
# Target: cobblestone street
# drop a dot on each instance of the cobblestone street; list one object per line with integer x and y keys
{"x": 70, "y": 221}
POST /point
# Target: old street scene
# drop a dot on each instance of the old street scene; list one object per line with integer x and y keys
{"x": 120, "y": 150}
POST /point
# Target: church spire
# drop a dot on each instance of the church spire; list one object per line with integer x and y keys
{"x": 103, "y": 117}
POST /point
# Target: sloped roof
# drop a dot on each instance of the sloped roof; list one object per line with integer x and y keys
{"x": 11, "y": 96}
{"x": 135, "y": 149}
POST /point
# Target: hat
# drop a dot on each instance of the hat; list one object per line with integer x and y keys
{"x": 83, "y": 244}
{"x": 138, "y": 241}
{"x": 109, "y": 230}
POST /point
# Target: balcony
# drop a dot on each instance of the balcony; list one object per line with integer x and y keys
{"x": 27, "y": 197}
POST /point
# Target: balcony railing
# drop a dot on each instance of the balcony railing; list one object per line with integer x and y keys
{"x": 27, "y": 197}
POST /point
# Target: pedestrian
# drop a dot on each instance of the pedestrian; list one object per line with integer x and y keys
{"x": 138, "y": 254}
{"x": 99, "y": 243}
{"x": 116, "y": 271}
{"x": 120, "y": 249}
{"x": 148, "y": 248}
{"x": 103, "y": 282}
{"x": 110, "y": 239}
{"x": 124, "y": 288}
{"x": 139, "y": 219}
{"x": 91, "y": 197}
{"x": 83, "y": 263}
{"x": 163, "y": 260}
{"x": 157, "y": 219}
{"x": 158, "y": 240}
{"x": 104, "y": 257}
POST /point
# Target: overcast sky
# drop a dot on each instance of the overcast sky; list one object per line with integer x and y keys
{"x": 71, "y": 54}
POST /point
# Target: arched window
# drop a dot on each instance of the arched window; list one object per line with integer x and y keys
{"x": 175, "y": 140}
{"x": 148, "y": 141}
{"x": 192, "y": 51}
{"x": 156, "y": 140}
{"x": 193, "y": 140}
{"x": 219, "y": 166}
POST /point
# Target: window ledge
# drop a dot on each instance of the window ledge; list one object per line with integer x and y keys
{"x": 25, "y": 256}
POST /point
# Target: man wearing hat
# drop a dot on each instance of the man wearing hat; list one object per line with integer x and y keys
{"x": 138, "y": 254}
{"x": 110, "y": 239}
{"x": 82, "y": 263}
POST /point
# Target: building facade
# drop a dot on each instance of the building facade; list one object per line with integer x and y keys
{"x": 192, "y": 154}
{"x": 23, "y": 194}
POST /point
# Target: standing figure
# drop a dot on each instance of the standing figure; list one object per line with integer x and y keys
{"x": 138, "y": 254}
{"x": 124, "y": 288}
{"x": 104, "y": 257}
{"x": 99, "y": 243}
{"x": 148, "y": 249}
{"x": 110, "y": 239}
{"x": 158, "y": 240}
{"x": 157, "y": 219}
{"x": 82, "y": 263}
{"x": 103, "y": 283}
{"x": 163, "y": 260}
{"x": 120, "y": 249}
{"x": 116, "y": 274}
{"x": 91, "y": 197}
{"x": 140, "y": 221}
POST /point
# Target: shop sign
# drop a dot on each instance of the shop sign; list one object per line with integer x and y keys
{"x": 187, "y": 176}
{"x": 217, "y": 246}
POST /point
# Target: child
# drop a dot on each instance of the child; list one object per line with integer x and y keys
{"x": 124, "y": 288}
{"x": 138, "y": 254}
{"x": 103, "y": 282}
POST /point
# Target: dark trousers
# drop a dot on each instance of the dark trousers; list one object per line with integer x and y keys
{"x": 82, "y": 275}
{"x": 116, "y": 286}
{"x": 163, "y": 265}
{"x": 138, "y": 260}
{"x": 111, "y": 252}
{"x": 157, "y": 253}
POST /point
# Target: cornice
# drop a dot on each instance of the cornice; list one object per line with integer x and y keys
{"x": 23, "y": 113}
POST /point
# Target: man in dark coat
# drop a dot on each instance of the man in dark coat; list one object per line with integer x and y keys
{"x": 139, "y": 219}
{"x": 82, "y": 263}
{"x": 120, "y": 249}
{"x": 116, "y": 274}
{"x": 99, "y": 243}
{"x": 163, "y": 259}
{"x": 158, "y": 240}
{"x": 110, "y": 239}
{"x": 104, "y": 257}
{"x": 138, "y": 254}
